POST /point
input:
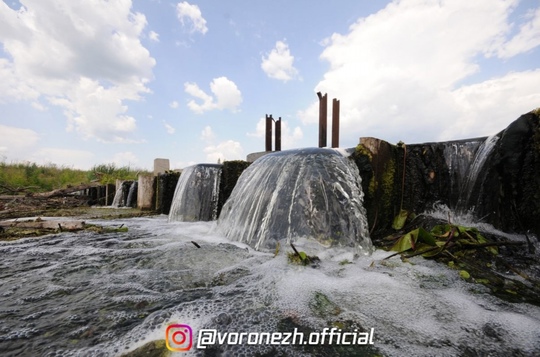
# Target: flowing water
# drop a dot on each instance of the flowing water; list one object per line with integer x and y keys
{"x": 292, "y": 194}
{"x": 482, "y": 154}
{"x": 197, "y": 194}
{"x": 132, "y": 194}
{"x": 92, "y": 294}
{"x": 118, "y": 200}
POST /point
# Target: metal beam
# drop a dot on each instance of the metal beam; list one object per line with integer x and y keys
{"x": 323, "y": 110}
{"x": 335, "y": 123}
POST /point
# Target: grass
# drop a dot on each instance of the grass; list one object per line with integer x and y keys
{"x": 30, "y": 177}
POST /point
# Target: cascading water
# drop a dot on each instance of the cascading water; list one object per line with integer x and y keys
{"x": 304, "y": 193}
{"x": 197, "y": 193}
{"x": 459, "y": 156}
{"x": 132, "y": 195}
{"x": 122, "y": 195}
{"x": 104, "y": 294}
{"x": 118, "y": 200}
{"x": 483, "y": 152}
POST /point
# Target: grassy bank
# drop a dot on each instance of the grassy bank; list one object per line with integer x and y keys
{"x": 30, "y": 177}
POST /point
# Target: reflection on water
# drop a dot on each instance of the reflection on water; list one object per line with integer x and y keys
{"x": 100, "y": 295}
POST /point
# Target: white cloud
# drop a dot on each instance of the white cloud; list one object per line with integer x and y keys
{"x": 226, "y": 150}
{"x": 289, "y": 136}
{"x": 80, "y": 57}
{"x": 398, "y": 72}
{"x": 186, "y": 11}
{"x": 173, "y": 104}
{"x": 126, "y": 158}
{"x": 39, "y": 106}
{"x": 226, "y": 96}
{"x": 17, "y": 142}
{"x": 279, "y": 63}
{"x": 207, "y": 134}
{"x": 154, "y": 36}
{"x": 526, "y": 39}
{"x": 169, "y": 128}
{"x": 79, "y": 159}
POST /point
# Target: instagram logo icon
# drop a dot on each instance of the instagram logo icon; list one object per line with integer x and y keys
{"x": 179, "y": 337}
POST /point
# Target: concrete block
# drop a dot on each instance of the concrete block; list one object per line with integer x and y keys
{"x": 160, "y": 166}
{"x": 145, "y": 192}
{"x": 254, "y": 156}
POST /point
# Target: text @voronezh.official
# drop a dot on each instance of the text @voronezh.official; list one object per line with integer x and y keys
{"x": 179, "y": 337}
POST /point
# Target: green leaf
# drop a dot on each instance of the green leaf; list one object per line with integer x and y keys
{"x": 302, "y": 255}
{"x": 406, "y": 242}
{"x": 400, "y": 219}
{"x": 426, "y": 237}
{"x": 464, "y": 274}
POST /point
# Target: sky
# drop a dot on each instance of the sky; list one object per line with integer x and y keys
{"x": 95, "y": 81}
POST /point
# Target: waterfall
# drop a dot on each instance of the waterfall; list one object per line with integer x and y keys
{"x": 459, "y": 156}
{"x": 468, "y": 185}
{"x": 122, "y": 195}
{"x": 132, "y": 195}
{"x": 305, "y": 193}
{"x": 197, "y": 193}
{"x": 118, "y": 198}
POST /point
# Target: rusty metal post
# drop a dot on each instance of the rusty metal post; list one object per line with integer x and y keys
{"x": 335, "y": 123}
{"x": 323, "y": 109}
{"x": 278, "y": 135}
{"x": 268, "y": 141}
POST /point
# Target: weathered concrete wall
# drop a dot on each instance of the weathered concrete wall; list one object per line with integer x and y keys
{"x": 230, "y": 172}
{"x": 165, "y": 186}
{"x": 145, "y": 192}
{"x": 414, "y": 177}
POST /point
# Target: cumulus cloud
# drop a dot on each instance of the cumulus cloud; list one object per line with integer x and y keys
{"x": 398, "y": 72}
{"x": 173, "y": 104}
{"x": 278, "y": 64}
{"x": 289, "y": 136}
{"x": 78, "y": 56}
{"x": 226, "y": 150}
{"x": 191, "y": 14}
{"x": 226, "y": 96}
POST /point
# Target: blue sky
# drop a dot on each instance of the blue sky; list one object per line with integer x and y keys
{"x": 90, "y": 82}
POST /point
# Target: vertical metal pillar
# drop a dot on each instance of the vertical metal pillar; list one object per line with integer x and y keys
{"x": 268, "y": 141}
{"x": 335, "y": 123}
{"x": 278, "y": 135}
{"x": 323, "y": 109}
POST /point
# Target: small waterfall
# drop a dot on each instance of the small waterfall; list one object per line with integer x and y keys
{"x": 483, "y": 152}
{"x": 118, "y": 198}
{"x": 197, "y": 193}
{"x": 305, "y": 193}
{"x": 132, "y": 195}
{"x": 121, "y": 197}
{"x": 459, "y": 156}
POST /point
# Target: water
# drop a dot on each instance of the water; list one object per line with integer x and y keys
{"x": 118, "y": 200}
{"x": 292, "y": 194}
{"x": 459, "y": 156}
{"x": 92, "y": 294}
{"x": 132, "y": 195}
{"x": 482, "y": 154}
{"x": 126, "y": 195}
{"x": 197, "y": 194}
